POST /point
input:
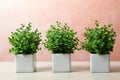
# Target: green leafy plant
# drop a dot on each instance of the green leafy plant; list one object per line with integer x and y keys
{"x": 99, "y": 40}
{"x": 61, "y": 39}
{"x": 24, "y": 41}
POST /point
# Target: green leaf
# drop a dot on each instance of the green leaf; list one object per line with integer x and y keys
{"x": 24, "y": 40}
{"x": 99, "y": 40}
{"x": 61, "y": 39}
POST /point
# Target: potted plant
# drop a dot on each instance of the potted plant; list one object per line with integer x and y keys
{"x": 61, "y": 41}
{"x": 99, "y": 42}
{"x": 24, "y": 45}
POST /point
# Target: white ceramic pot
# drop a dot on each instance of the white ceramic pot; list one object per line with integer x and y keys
{"x": 25, "y": 63}
{"x": 100, "y": 63}
{"x": 61, "y": 62}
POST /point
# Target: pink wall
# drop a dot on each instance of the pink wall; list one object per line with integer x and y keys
{"x": 42, "y": 13}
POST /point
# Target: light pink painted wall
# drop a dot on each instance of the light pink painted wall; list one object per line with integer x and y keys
{"x": 42, "y": 13}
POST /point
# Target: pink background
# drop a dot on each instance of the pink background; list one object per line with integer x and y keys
{"x": 42, "y": 13}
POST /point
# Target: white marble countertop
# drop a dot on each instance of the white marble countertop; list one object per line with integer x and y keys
{"x": 80, "y": 71}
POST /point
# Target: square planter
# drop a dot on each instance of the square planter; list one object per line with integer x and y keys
{"x": 100, "y": 63}
{"x": 61, "y": 62}
{"x": 25, "y": 63}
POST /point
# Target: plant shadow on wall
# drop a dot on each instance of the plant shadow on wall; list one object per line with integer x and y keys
{"x": 43, "y": 69}
{"x": 80, "y": 68}
{"x": 115, "y": 69}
